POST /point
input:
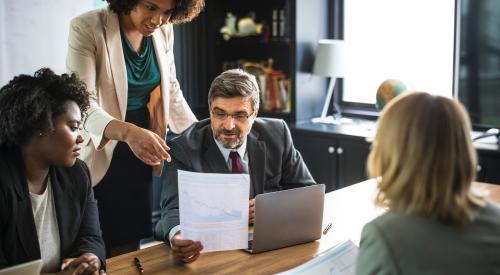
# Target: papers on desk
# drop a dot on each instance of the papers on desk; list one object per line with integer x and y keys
{"x": 213, "y": 209}
{"x": 339, "y": 260}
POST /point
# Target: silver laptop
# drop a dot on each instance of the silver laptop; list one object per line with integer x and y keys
{"x": 287, "y": 218}
{"x": 28, "y": 268}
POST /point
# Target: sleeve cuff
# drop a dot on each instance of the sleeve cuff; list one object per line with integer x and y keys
{"x": 95, "y": 123}
{"x": 172, "y": 233}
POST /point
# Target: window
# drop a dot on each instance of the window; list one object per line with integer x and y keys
{"x": 408, "y": 40}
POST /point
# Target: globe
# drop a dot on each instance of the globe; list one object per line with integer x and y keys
{"x": 388, "y": 90}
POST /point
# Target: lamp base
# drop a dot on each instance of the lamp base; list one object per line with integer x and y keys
{"x": 332, "y": 120}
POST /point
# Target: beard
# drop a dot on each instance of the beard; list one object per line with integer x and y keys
{"x": 229, "y": 143}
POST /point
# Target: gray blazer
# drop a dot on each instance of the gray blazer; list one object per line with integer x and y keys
{"x": 273, "y": 161}
{"x": 401, "y": 244}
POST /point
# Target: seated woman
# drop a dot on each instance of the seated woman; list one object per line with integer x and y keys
{"x": 425, "y": 162}
{"x": 47, "y": 208}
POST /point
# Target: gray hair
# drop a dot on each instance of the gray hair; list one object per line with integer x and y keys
{"x": 235, "y": 83}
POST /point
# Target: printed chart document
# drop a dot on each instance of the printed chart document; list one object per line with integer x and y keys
{"x": 339, "y": 260}
{"x": 213, "y": 209}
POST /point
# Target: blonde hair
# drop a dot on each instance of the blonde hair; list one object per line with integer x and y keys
{"x": 425, "y": 160}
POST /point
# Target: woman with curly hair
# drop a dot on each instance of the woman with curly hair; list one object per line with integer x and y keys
{"x": 124, "y": 53}
{"x": 47, "y": 207}
{"x": 436, "y": 223}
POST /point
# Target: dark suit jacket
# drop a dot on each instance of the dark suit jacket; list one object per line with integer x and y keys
{"x": 273, "y": 161}
{"x": 76, "y": 212}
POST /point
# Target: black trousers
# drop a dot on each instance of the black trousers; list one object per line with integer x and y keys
{"x": 124, "y": 194}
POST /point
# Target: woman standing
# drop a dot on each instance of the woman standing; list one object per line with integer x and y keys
{"x": 124, "y": 53}
{"x": 436, "y": 224}
{"x": 47, "y": 208}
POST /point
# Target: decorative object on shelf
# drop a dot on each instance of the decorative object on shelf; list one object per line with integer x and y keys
{"x": 246, "y": 26}
{"x": 278, "y": 26}
{"x": 329, "y": 62}
{"x": 264, "y": 32}
{"x": 388, "y": 90}
{"x": 282, "y": 25}
{"x": 229, "y": 28}
{"x": 274, "y": 29}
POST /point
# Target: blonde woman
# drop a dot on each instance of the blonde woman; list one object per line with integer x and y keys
{"x": 435, "y": 224}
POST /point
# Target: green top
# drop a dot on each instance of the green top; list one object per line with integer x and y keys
{"x": 143, "y": 73}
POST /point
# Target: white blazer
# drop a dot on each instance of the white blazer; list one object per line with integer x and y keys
{"x": 95, "y": 54}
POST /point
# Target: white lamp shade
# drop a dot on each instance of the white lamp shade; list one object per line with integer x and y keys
{"x": 330, "y": 57}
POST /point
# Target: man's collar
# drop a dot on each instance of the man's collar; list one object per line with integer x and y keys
{"x": 225, "y": 151}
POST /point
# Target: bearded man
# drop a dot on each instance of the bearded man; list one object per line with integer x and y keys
{"x": 232, "y": 140}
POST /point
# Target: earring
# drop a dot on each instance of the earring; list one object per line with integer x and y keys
{"x": 40, "y": 134}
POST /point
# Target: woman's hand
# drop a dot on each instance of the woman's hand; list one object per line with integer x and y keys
{"x": 146, "y": 145}
{"x": 86, "y": 264}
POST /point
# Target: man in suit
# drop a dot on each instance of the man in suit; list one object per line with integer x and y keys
{"x": 233, "y": 140}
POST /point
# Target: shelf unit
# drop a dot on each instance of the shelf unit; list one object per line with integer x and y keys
{"x": 304, "y": 23}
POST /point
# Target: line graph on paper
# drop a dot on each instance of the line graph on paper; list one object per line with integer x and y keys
{"x": 213, "y": 209}
{"x": 211, "y": 199}
{"x": 209, "y": 209}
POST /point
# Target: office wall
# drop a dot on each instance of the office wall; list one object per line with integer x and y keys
{"x": 34, "y": 34}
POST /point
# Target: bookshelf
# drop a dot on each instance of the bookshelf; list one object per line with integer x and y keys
{"x": 290, "y": 31}
{"x": 202, "y": 52}
{"x": 265, "y": 54}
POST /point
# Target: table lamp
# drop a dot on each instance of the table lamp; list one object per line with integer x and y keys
{"x": 330, "y": 62}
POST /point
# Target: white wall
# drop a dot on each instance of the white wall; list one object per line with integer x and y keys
{"x": 34, "y": 34}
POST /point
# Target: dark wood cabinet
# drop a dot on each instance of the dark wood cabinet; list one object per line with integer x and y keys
{"x": 489, "y": 169}
{"x": 351, "y": 162}
{"x": 488, "y": 162}
{"x": 336, "y": 155}
{"x": 319, "y": 155}
{"x": 334, "y": 158}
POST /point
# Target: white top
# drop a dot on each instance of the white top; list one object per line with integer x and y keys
{"x": 44, "y": 212}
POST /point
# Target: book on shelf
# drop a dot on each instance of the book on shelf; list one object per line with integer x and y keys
{"x": 274, "y": 85}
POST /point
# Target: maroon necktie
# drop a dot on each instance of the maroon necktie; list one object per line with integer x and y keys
{"x": 237, "y": 167}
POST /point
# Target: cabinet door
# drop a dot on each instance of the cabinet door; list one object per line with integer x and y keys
{"x": 319, "y": 156}
{"x": 490, "y": 168}
{"x": 351, "y": 157}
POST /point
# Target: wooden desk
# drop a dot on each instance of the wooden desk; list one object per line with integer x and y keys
{"x": 493, "y": 190}
{"x": 349, "y": 209}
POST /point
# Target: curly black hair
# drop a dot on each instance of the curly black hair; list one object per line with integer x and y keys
{"x": 29, "y": 104}
{"x": 184, "y": 11}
